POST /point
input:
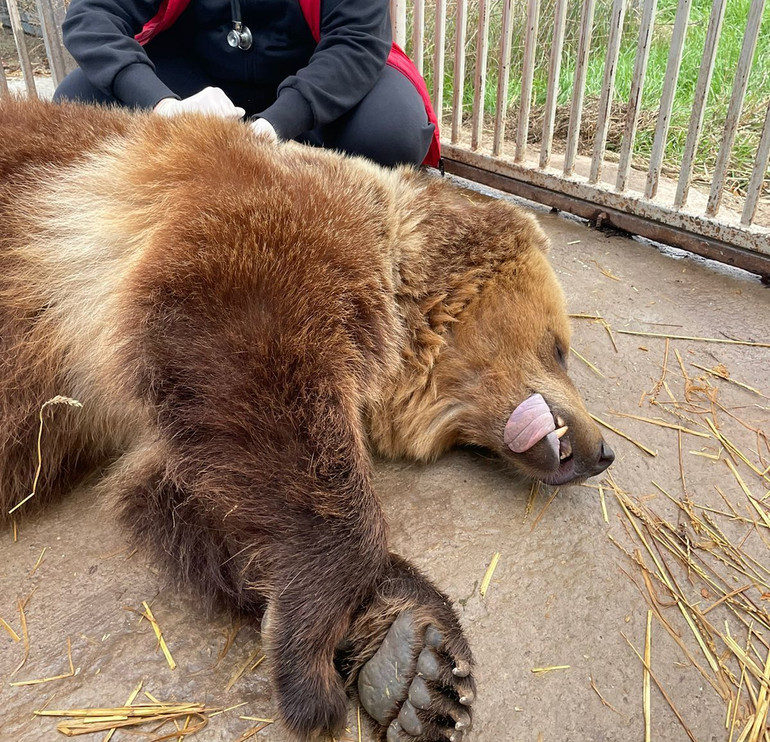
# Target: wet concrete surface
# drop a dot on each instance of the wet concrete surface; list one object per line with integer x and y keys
{"x": 558, "y": 596}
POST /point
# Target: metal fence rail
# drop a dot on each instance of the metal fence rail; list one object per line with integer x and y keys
{"x": 486, "y": 63}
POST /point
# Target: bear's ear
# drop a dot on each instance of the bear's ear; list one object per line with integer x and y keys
{"x": 531, "y": 233}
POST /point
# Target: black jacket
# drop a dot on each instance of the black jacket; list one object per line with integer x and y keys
{"x": 307, "y": 85}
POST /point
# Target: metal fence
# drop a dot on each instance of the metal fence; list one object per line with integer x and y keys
{"x": 35, "y": 18}
{"x": 464, "y": 46}
{"x": 496, "y": 69}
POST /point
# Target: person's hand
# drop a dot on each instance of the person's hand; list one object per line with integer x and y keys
{"x": 210, "y": 102}
{"x": 263, "y": 128}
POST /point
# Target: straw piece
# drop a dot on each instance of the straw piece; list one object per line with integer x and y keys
{"x": 744, "y": 657}
{"x": 488, "y": 575}
{"x": 644, "y": 448}
{"x": 646, "y": 679}
{"x": 159, "y": 635}
{"x": 711, "y": 456}
{"x": 142, "y": 710}
{"x": 727, "y": 596}
{"x": 88, "y": 721}
{"x": 733, "y": 449}
{"x": 661, "y": 423}
{"x": 737, "y": 700}
{"x": 256, "y": 718}
{"x": 726, "y": 341}
{"x": 602, "y": 698}
{"x": 604, "y": 504}
{"x": 184, "y": 729}
{"x": 606, "y": 272}
{"x": 541, "y": 670}
{"x": 252, "y": 732}
{"x": 606, "y": 326}
{"x": 545, "y": 507}
{"x": 231, "y": 708}
{"x": 230, "y": 637}
{"x": 249, "y": 664}
{"x": 721, "y": 373}
{"x": 763, "y": 702}
{"x": 131, "y": 698}
{"x": 38, "y": 562}
{"x": 534, "y": 490}
{"x": 662, "y": 380}
{"x": 588, "y": 363}
{"x": 662, "y": 691}
{"x": 8, "y": 628}
{"x": 358, "y": 726}
{"x": 68, "y": 674}
{"x": 53, "y": 401}
{"x": 752, "y": 501}
{"x": 24, "y": 633}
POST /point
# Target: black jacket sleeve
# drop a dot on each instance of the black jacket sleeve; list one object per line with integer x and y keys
{"x": 350, "y": 56}
{"x": 100, "y": 36}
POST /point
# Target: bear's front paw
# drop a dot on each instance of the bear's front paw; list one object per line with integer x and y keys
{"x": 418, "y": 685}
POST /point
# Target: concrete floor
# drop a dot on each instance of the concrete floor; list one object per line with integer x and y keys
{"x": 558, "y": 596}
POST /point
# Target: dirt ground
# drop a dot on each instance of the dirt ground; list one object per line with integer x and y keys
{"x": 564, "y": 592}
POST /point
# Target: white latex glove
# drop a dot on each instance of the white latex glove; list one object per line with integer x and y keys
{"x": 210, "y": 102}
{"x": 263, "y": 128}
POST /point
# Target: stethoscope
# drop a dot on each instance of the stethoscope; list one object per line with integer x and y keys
{"x": 240, "y": 37}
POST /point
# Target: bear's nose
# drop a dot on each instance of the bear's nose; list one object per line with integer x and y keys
{"x": 606, "y": 456}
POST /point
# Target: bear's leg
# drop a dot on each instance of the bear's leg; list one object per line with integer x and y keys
{"x": 243, "y": 520}
{"x": 408, "y": 660}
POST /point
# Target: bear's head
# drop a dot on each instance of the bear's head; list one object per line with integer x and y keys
{"x": 495, "y": 374}
{"x": 505, "y": 363}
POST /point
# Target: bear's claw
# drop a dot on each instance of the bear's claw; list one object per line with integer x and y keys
{"x": 415, "y": 687}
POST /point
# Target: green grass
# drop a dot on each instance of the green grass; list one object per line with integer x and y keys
{"x": 755, "y": 105}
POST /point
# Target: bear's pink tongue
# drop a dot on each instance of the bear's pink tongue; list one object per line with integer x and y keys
{"x": 529, "y": 423}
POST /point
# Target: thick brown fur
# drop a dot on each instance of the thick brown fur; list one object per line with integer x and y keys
{"x": 241, "y": 321}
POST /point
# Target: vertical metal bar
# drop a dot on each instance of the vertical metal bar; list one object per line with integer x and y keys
{"x": 480, "y": 76}
{"x": 635, "y": 98}
{"x": 579, "y": 87}
{"x": 608, "y": 83}
{"x": 21, "y": 47}
{"x": 4, "y": 92}
{"x": 59, "y": 10}
{"x": 699, "y": 103}
{"x": 398, "y": 19}
{"x": 527, "y": 74}
{"x": 758, "y": 174}
{"x": 438, "y": 61}
{"x": 53, "y": 44}
{"x": 736, "y": 103}
{"x": 418, "y": 34}
{"x": 554, "y": 70}
{"x": 461, "y": 23}
{"x": 503, "y": 76}
{"x": 667, "y": 99}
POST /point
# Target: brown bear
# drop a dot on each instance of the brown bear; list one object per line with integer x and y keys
{"x": 243, "y": 322}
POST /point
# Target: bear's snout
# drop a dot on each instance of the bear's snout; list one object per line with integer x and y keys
{"x": 554, "y": 446}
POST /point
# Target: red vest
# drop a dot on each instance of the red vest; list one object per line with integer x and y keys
{"x": 170, "y": 10}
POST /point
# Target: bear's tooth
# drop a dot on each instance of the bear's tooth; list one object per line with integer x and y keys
{"x": 561, "y": 431}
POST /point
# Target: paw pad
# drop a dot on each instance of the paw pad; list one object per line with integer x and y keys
{"x": 422, "y": 700}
